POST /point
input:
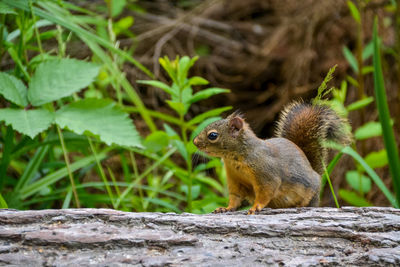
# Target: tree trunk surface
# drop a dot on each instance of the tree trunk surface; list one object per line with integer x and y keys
{"x": 103, "y": 237}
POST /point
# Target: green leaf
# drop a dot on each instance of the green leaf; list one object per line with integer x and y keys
{"x": 156, "y": 141}
{"x": 356, "y": 179}
{"x": 350, "y": 59}
{"x": 195, "y": 190}
{"x": 377, "y": 180}
{"x": 13, "y": 89}
{"x": 196, "y": 80}
{"x": 171, "y": 132}
{"x": 353, "y": 198}
{"x": 100, "y": 117}
{"x": 123, "y": 24}
{"x": 360, "y": 103}
{"x": 211, "y": 113}
{"x": 3, "y": 203}
{"x": 5, "y": 9}
{"x": 368, "y": 51}
{"x": 368, "y": 130}
{"x": 117, "y": 7}
{"x": 169, "y": 68}
{"x": 377, "y": 159}
{"x": 181, "y": 148}
{"x": 185, "y": 63}
{"x": 209, "y": 181}
{"x": 206, "y": 93}
{"x": 56, "y": 79}
{"x": 354, "y": 12}
{"x": 28, "y": 122}
{"x": 384, "y": 115}
{"x": 177, "y": 106}
{"x": 367, "y": 69}
{"x": 160, "y": 85}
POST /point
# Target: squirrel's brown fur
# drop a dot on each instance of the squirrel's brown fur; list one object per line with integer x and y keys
{"x": 279, "y": 172}
{"x": 308, "y": 126}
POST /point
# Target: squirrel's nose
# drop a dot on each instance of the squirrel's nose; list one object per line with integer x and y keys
{"x": 196, "y": 141}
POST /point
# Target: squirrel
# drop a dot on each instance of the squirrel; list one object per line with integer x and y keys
{"x": 280, "y": 172}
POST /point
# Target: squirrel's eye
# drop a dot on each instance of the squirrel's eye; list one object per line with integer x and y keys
{"x": 212, "y": 136}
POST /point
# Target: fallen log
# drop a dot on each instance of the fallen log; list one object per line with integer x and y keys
{"x": 301, "y": 236}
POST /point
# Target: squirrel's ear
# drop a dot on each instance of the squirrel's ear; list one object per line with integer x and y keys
{"x": 235, "y": 125}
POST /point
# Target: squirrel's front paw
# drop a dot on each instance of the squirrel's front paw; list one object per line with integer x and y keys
{"x": 254, "y": 210}
{"x": 223, "y": 210}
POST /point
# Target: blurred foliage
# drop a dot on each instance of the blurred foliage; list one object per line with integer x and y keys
{"x": 66, "y": 134}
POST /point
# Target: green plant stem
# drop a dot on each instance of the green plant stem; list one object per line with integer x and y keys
{"x": 384, "y": 115}
{"x": 71, "y": 178}
{"x": 136, "y": 174}
{"x": 5, "y": 160}
{"x": 331, "y": 187}
{"x": 39, "y": 42}
{"x": 360, "y": 76}
{"x": 397, "y": 47}
{"x": 188, "y": 164}
{"x": 102, "y": 174}
{"x": 145, "y": 173}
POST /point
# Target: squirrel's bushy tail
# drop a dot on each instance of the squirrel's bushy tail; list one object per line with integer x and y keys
{"x": 308, "y": 126}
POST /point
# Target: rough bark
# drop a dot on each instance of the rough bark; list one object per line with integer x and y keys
{"x": 302, "y": 236}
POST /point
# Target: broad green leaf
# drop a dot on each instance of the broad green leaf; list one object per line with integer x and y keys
{"x": 353, "y": 198}
{"x": 368, "y": 130}
{"x": 356, "y": 179}
{"x": 196, "y": 80}
{"x": 177, "y": 106}
{"x": 203, "y": 125}
{"x": 156, "y": 141}
{"x": 56, "y": 79}
{"x": 350, "y": 58}
{"x": 360, "y": 103}
{"x": 354, "y": 12}
{"x": 28, "y": 122}
{"x": 206, "y": 93}
{"x": 160, "y": 85}
{"x": 100, "y": 117}
{"x": 211, "y": 113}
{"x": 6, "y": 9}
{"x": 13, "y": 89}
{"x": 377, "y": 159}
